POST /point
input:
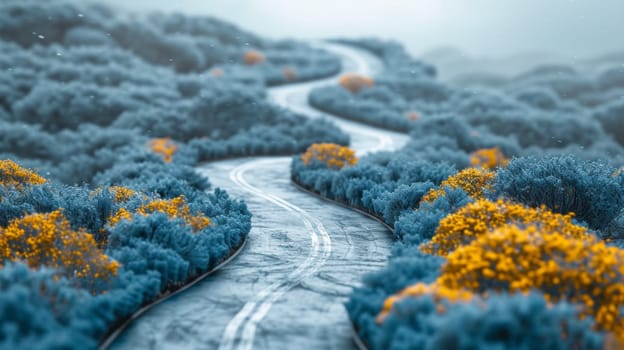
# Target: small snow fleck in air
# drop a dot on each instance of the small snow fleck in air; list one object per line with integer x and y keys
{"x": 80, "y": 15}
{"x": 59, "y": 54}
{"x": 40, "y": 36}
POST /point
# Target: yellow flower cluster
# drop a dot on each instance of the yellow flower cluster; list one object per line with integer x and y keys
{"x": 121, "y": 194}
{"x": 473, "y": 181}
{"x": 334, "y": 156}
{"x": 173, "y": 208}
{"x": 253, "y": 57}
{"x": 507, "y": 247}
{"x": 488, "y": 158}
{"x": 439, "y": 294}
{"x": 13, "y": 175}
{"x": 581, "y": 270}
{"x": 355, "y": 82}
{"x": 483, "y": 216}
{"x": 165, "y": 147}
{"x": 48, "y": 240}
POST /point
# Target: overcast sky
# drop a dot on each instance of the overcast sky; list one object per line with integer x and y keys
{"x": 578, "y": 28}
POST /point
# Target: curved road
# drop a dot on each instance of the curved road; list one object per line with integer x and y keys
{"x": 303, "y": 256}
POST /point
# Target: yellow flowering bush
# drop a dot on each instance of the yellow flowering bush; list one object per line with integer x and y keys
{"x": 165, "y": 147}
{"x": 332, "y": 155}
{"x": 482, "y": 216}
{"x": 473, "y": 181}
{"x": 488, "y": 158}
{"x": 581, "y": 270}
{"x": 173, "y": 208}
{"x": 48, "y": 240}
{"x": 438, "y": 292}
{"x": 120, "y": 194}
{"x": 355, "y": 82}
{"x": 13, "y": 175}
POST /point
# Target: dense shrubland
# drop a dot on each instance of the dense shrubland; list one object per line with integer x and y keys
{"x": 77, "y": 260}
{"x": 550, "y": 109}
{"x": 102, "y": 116}
{"x": 80, "y": 85}
{"x": 470, "y": 240}
{"x": 508, "y": 212}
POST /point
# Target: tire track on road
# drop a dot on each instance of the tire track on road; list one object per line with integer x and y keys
{"x": 241, "y": 329}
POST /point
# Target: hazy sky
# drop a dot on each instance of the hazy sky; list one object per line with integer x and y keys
{"x": 481, "y": 27}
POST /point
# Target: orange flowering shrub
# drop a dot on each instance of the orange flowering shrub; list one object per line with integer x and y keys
{"x": 217, "y": 72}
{"x": 13, "y": 175}
{"x": 48, "y": 240}
{"x": 473, "y": 181}
{"x": 566, "y": 266}
{"x": 355, "y": 82}
{"x": 488, "y": 158}
{"x": 439, "y": 293}
{"x": 480, "y": 217}
{"x": 412, "y": 116}
{"x": 165, "y": 147}
{"x": 579, "y": 270}
{"x": 332, "y": 155}
{"x": 289, "y": 73}
{"x": 253, "y": 57}
{"x": 174, "y": 208}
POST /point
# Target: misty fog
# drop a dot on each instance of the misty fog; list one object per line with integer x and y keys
{"x": 517, "y": 32}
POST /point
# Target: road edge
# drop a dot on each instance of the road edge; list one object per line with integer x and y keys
{"x": 115, "y": 332}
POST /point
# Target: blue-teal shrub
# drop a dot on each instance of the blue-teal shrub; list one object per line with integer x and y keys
{"x": 564, "y": 184}
{"x": 512, "y": 322}
{"x": 611, "y": 117}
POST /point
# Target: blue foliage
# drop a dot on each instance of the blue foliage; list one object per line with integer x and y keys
{"x": 79, "y": 92}
{"x": 504, "y": 322}
{"x": 157, "y": 253}
{"x": 555, "y": 125}
{"x": 565, "y": 184}
{"x": 83, "y": 90}
{"x": 550, "y": 109}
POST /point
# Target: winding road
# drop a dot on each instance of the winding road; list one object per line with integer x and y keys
{"x": 287, "y": 288}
